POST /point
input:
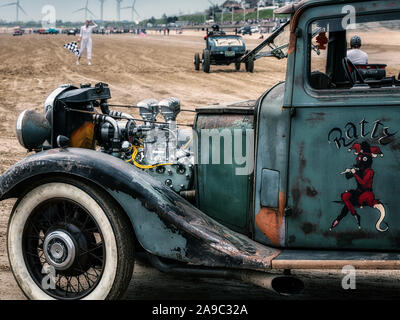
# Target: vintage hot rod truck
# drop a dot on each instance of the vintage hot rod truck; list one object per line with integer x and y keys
{"x": 303, "y": 178}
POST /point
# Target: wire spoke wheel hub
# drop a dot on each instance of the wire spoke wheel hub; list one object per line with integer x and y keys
{"x": 59, "y": 250}
{"x": 61, "y": 234}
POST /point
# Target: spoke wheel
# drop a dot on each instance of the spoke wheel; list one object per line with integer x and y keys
{"x": 68, "y": 240}
{"x": 62, "y": 239}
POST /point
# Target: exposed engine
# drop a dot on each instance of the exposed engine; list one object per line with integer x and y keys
{"x": 72, "y": 119}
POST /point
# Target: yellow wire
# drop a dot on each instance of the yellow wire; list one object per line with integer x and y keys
{"x": 141, "y": 166}
{"x": 187, "y": 144}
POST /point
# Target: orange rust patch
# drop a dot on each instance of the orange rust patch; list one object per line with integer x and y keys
{"x": 83, "y": 136}
{"x": 292, "y": 43}
{"x": 270, "y": 221}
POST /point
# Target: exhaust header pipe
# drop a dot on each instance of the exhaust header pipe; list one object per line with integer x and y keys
{"x": 281, "y": 284}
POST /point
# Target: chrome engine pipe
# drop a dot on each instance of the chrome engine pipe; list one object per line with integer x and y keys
{"x": 121, "y": 115}
{"x": 98, "y": 118}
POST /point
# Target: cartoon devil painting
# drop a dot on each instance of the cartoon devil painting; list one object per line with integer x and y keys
{"x": 364, "y": 194}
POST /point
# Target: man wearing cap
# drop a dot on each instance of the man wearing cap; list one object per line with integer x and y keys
{"x": 356, "y": 55}
{"x": 85, "y": 38}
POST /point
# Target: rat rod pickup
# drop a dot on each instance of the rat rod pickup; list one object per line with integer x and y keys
{"x": 306, "y": 177}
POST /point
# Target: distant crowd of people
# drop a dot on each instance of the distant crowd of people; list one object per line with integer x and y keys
{"x": 166, "y": 31}
{"x": 244, "y": 22}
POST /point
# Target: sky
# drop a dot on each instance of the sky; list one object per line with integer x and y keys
{"x": 64, "y": 9}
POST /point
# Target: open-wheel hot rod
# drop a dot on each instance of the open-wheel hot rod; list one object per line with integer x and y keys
{"x": 222, "y": 50}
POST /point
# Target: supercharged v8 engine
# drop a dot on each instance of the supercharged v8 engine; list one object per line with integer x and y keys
{"x": 81, "y": 118}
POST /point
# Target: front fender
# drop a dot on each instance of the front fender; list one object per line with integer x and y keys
{"x": 165, "y": 224}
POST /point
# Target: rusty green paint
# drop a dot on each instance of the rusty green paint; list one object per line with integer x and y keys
{"x": 315, "y": 184}
{"x": 231, "y": 208}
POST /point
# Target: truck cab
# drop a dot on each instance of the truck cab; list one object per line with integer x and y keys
{"x": 337, "y": 178}
{"x": 326, "y": 156}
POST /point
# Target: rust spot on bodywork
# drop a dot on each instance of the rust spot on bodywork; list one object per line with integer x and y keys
{"x": 271, "y": 221}
{"x": 345, "y": 239}
{"x": 292, "y": 43}
{"x": 316, "y": 117}
{"x": 293, "y": 26}
{"x": 292, "y": 239}
{"x": 395, "y": 146}
{"x": 311, "y": 192}
{"x": 308, "y": 228}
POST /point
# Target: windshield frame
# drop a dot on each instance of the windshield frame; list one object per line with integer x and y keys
{"x": 276, "y": 51}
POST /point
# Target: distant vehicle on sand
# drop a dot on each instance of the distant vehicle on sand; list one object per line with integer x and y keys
{"x": 53, "y": 31}
{"x": 245, "y": 30}
{"x": 17, "y": 32}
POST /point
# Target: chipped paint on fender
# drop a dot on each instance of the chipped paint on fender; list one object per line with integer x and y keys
{"x": 271, "y": 221}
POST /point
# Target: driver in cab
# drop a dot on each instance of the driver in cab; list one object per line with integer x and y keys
{"x": 356, "y": 55}
{"x": 215, "y": 31}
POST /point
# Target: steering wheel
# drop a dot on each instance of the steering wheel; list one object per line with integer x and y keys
{"x": 351, "y": 72}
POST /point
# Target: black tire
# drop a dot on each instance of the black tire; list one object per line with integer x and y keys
{"x": 106, "y": 239}
{"x": 237, "y": 66}
{"x": 250, "y": 65}
{"x": 197, "y": 61}
{"x": 206, "y": 61}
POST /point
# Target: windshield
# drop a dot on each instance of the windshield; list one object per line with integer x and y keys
{"x": 226, "y": 42}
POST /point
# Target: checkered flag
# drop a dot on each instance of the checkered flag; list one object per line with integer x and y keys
{"x": 73, "y": 47}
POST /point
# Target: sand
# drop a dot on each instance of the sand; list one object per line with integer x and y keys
{"x": 136, "y": 68}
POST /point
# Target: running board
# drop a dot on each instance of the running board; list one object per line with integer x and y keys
{"x": 302, "y": 259}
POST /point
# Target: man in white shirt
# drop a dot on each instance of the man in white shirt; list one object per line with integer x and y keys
{"x": 356, "y": 55}
{"x": 85, "y": 38}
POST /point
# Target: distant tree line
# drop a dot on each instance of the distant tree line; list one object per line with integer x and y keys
{"x": 214, "y": 13}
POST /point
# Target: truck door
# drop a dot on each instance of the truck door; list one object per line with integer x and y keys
{"x": 344, "y": 159}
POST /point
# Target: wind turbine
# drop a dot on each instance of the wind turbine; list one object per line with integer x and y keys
{"x": 102, "y": 9}
{"x": 119, "y": 9}
{"x": 133, "y": 10}
{"x": 86, "y": 9}
{"x": 258, "y": 9}
{"x": 222, "y": 15}
{"x": 243, "y": 5}
{"x": 17, "y": 6}
{"x": 213, "y": 8}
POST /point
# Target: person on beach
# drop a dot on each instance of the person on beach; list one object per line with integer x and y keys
{"x": 85, "y": 39}
{"x": 355, "y": 54}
